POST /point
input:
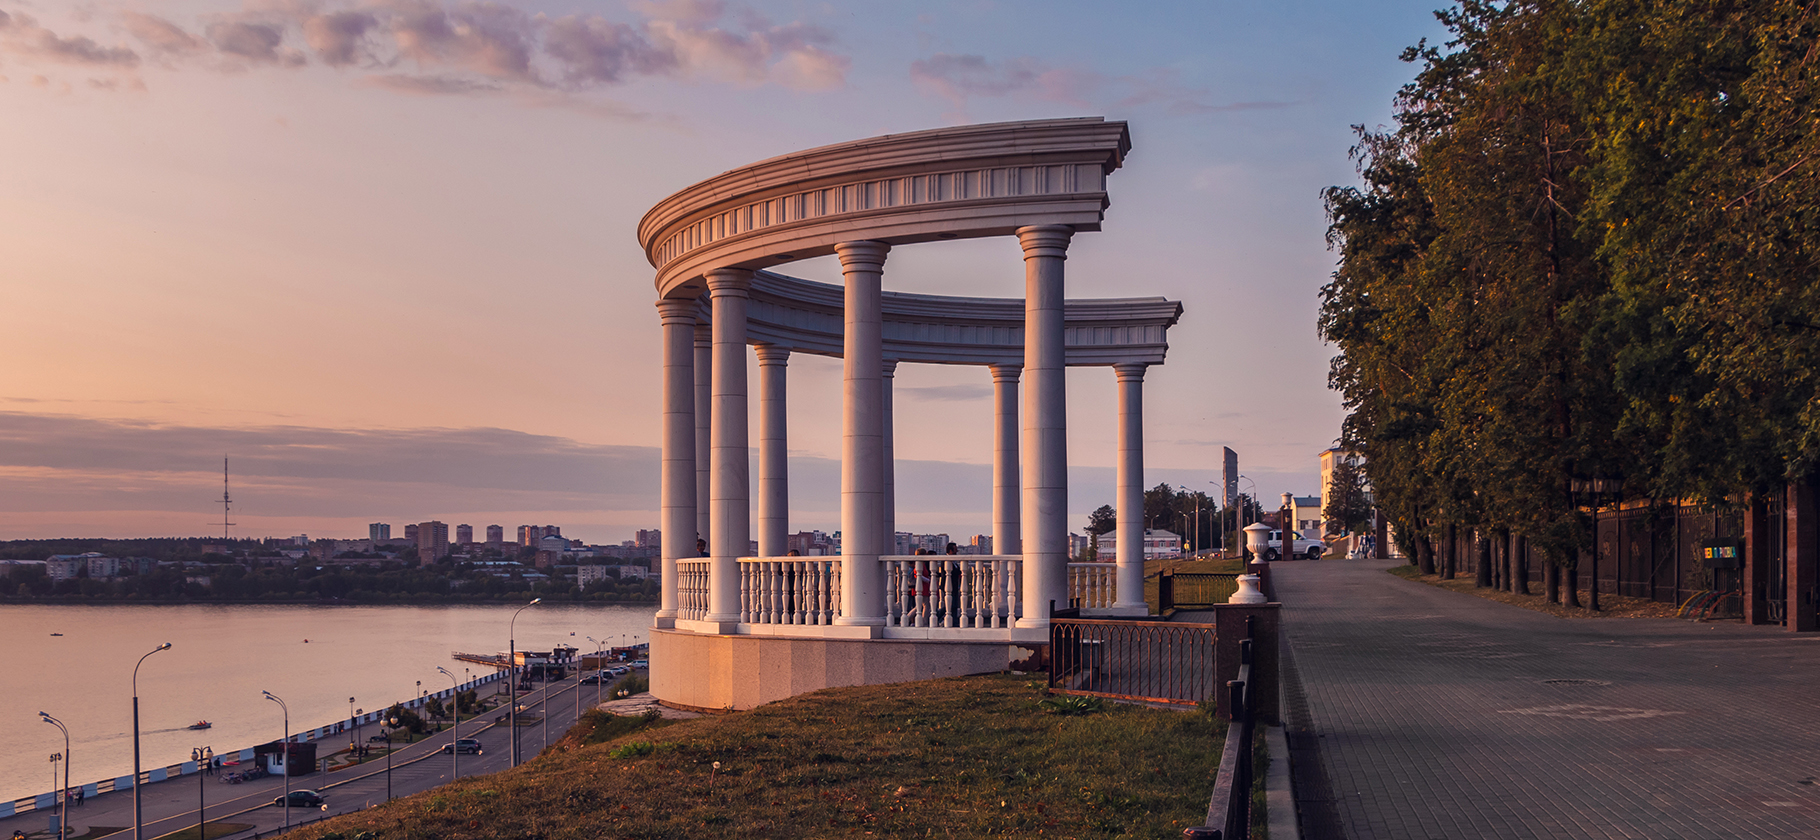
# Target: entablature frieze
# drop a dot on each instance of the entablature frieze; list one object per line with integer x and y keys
{"x": 965, "y": 182}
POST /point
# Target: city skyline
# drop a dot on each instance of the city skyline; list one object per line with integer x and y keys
{"x": 397, "y": 280}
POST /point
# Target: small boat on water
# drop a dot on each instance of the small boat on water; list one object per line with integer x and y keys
{"x": 201, "y": 724}
{"x": 56, "y": 634}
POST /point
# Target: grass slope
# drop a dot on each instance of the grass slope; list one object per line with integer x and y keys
{"x": 962, "y": 757}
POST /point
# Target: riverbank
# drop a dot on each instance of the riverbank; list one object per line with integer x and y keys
{"x": 401, "y": 600}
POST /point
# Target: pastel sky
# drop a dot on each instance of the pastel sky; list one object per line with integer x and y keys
{"x": 381, "y": 253}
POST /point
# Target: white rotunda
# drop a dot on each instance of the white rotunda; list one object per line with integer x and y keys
{"x": 735, "y": 631}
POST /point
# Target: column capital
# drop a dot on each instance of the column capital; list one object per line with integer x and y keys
{"x": 676, "y": 313}
{"x": 1045, "y": 240}
{"x": 1130, "y": 371}
{"x": 1006, "y": 372}
{"x": 771, "y": 354}
{"x": 862, "y": 255}
{"x": 889, "y": 368}
{"x": 729, "y": 281}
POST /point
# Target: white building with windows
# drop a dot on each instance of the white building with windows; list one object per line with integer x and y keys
{"x": 1157, "y": 543}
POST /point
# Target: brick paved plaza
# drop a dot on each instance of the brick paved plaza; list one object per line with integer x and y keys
{"x": 1440, "y": 715}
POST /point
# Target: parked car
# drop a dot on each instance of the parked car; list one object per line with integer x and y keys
{"x": 641, "y": 663}
{"x": 302, "y": 799}
{"x": 594, "y": 679}
{"x": 471, "y": 746}
{"x": 1311, "y": 549}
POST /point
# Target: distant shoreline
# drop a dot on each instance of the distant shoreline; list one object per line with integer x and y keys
{"x": 8, "y": 601}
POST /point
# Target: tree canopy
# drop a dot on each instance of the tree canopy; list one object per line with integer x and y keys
{"x": 1586, "y": 248}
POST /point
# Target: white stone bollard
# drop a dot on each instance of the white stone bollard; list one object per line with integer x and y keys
{"x": 1248, "y": 593}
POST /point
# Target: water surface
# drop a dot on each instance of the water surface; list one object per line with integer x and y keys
{"x": 223, "y": 656}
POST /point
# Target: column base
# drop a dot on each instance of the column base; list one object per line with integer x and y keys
{"x": 1031, "y": 624}
{"x": 664, "y": 622}
{"x": 709, "y": 626}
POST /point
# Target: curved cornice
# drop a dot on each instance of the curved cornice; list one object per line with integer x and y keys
{"x": 806, "y": 317}
{"x": 948, "y": 183}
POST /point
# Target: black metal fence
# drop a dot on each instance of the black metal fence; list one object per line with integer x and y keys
{"x": 1229, "y": 809}
{"x": 1194, "y": 590}
{"x": 1153, "y": 661}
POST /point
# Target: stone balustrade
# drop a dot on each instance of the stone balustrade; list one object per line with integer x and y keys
{"x": 789, "y": 590}
{"x": 1092, "y": 586}
{"x": 954, "y": 591}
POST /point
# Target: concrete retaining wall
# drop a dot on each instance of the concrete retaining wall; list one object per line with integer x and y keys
{"x": 695, "y": 671}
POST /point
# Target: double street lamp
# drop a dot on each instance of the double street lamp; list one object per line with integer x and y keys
{"x": 138, "y": 818}
{"x": 512, "y": 670}
{"x": 286, "y": 755}
{"x": 63, "y": 794}
{"x": 205, "y": 757}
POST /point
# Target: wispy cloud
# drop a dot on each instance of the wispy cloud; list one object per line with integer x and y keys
{"x": 462, "y": 47}
{"x": 961, "y": 78}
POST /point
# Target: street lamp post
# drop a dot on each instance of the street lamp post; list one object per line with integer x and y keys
{"x": 351, "y": 744}
{"x": 455, "y": 730}
{"x": 391, "y": 723}
{"x": 203, "y": 756}
{"x": 286, "y": 755}
{"x": 512, "y": 670}
{"x": 63, "y": 794}
{"x": 138, "y": 820}
{"x": 1241, "y": 514}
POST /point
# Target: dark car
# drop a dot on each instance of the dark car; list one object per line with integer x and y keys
{"x": 471, "y": 746}
{"x": 302, "y": 799}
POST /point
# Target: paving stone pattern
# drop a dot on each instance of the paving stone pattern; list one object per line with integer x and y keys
{"x": 1442, "y": 715}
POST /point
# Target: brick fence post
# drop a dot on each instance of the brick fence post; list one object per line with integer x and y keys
{"x": 1229, "y": 628}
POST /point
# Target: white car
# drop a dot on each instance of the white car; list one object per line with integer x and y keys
{"x": 1311, "y": 549}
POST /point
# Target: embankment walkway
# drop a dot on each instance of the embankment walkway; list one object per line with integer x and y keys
{"x": 1430, "y": 714}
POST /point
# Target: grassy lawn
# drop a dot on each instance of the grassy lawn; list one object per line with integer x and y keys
{"x": 962, "y": 757}
{"x": 1611, "y": 606}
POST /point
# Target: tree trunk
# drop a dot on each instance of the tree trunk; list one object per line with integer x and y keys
{"x": 1449, "y": 542}
{"x": 1482, "y": 545}
{"x": 1519, "y": 561}
{"x": 1425, "y": 554}
{"x": 1573, "y": 581}
{"x": 1551, "y": 580}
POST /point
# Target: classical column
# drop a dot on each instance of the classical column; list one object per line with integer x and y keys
{"x": 1005, "y": 536}
{"x": 1130, "y": 592}
{"x": 887, "y": 379}
{"x": 862, "y": 478}
{"x": 773, "y": 452}
{"x": 1045, "y": 441}
{"x": 704, "y": 413}
{"x": 677, "y": 515}
{"x": 729, "y": 497}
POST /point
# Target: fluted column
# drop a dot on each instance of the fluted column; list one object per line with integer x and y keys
{"x": 1005, "y": 490}
{"x": 1130, "y": 592}
{"x": 888, "y": 434}
{"x": 677, "y": 514}
{"x": 729, "y": 497}
{"x": 862, "y": 484}
{"x": 704, "y": 413}
{"x": 1045, "y": 440}
{"x": 773, "y": 451}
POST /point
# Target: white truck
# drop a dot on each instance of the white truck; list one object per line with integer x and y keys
{"x": 1311, "y": 549}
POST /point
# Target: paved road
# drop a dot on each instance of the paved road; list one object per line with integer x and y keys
{"x": 171, "y": 806}
{"x": 1442, "y": 715}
